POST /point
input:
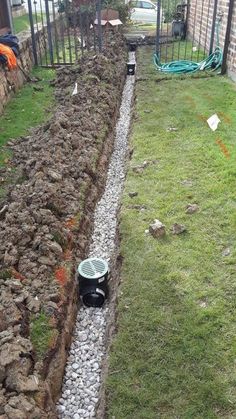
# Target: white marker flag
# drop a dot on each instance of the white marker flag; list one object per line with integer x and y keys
{"x": 213, "y": 122}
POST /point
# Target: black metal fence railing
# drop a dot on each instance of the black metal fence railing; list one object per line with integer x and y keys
{"x": 192, "y": 29}
{"x": 186, "y": 29}
{"x": 62, "y": 30}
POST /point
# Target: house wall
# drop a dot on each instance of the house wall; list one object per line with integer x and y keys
{"x": 18, "y": 11}
{"x": 200, "y": 23}
{"x": 5, "y": 19}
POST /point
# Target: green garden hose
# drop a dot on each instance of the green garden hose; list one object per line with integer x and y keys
{"x": 212, "y": 62}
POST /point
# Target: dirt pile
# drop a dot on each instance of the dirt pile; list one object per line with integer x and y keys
{"x": 45, "y": 224}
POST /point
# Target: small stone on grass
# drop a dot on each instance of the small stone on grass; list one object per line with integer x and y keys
{"x": 186, "y": 182}
{"x": 172, "y": 129}
{"x": 203, "y": 304}
{"x": 157, "y": 229}
{"x": 226, "y": 251}
{"x": 133, "y": 194}
{"x": 138, "y": 207}
{"x": 178, "y": 228}
{"x": 191, "y": 208}
{"x": 139, "y": 168}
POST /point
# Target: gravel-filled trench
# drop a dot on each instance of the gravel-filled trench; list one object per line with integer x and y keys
{"x": 83, "y": 375}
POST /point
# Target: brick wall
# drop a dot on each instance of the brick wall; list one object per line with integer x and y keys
{"x": 200, "y": 23}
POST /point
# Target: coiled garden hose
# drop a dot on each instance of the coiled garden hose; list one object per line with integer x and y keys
{"x": 212, "y": 62}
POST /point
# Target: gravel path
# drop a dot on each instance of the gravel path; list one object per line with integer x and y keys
{"x": 83, "y": 371}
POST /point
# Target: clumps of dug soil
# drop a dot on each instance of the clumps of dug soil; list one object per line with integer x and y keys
{"x": 45, "y": 224}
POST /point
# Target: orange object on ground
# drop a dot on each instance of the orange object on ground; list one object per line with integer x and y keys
{"x": 9, "y": 54}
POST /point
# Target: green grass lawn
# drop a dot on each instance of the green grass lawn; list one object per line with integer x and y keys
{"x": 174, "y": 355}
{"x": 21, "y": 23}
{"x": 142, "y": 26}
{"x": 28, "y": 107}
{"x": 63, "y": 52}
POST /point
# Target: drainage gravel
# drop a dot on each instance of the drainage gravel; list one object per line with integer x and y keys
{"x": 82, "y": 378}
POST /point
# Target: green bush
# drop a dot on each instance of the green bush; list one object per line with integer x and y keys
{"x": 120, "y": 6}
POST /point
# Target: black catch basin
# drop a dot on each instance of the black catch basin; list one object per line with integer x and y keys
{"x": 130, "y": 69}
{"x": 93, "y": 281}
{"x": 132, "y": 47}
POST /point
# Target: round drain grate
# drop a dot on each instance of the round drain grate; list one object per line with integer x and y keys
{"x": 93, "y": 268}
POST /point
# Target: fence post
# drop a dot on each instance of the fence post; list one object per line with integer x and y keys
{"x": 227, "y": 37}
{"x": 81, "y": 31}
{"x": 158, "y": 26}
{"x": 10, "y": 15}
{"x": 34, "y": 49}
{"x": 213, "y": 28}
{"x": 49, "y": 32}
{"x": 99, "y": 7}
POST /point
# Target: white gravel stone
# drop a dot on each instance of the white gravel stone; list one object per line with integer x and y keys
{"x": 82, "y": 379}
{"x": 61, "y": 408}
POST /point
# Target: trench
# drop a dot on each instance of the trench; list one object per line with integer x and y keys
{"x": 84, "y": 373}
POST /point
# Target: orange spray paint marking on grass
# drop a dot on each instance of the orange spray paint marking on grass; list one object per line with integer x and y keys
{"x": 201, "y": 118}
{"x": 227, "y": 119}
{"x": 191, "y": 101}
{"x": 207, "y": 96}
{"x": 223, "y": 148}
{"x": 61, "y": 275}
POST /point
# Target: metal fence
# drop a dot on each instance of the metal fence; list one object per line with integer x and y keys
{"x": 191, "y": 29}
{"x": 186, "y": 29}
{"x": 62, "y": 30}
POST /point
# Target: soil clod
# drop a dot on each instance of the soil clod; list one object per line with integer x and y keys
{"x": 191, "y": 208}
{"x": 178, "y": 228}
{"x": 133, "y": 194}
{"x": 157, "y": 229}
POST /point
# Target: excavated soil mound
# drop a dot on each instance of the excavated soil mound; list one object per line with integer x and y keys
{"x": 45, "y": 226}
